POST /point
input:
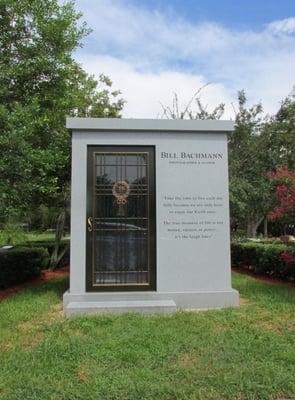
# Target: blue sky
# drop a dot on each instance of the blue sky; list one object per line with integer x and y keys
{"x": 233, "y": 13}
{"x": 152, "y": 49}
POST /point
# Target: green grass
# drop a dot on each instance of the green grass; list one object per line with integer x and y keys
{"x": 39, "y": 236}
{"x": 24, "y": 237}
{"x": 237, "y": 353}
{"x": 28, "y": 237}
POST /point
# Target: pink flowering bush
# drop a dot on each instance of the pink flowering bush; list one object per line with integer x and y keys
{"x": 284, "y": 181}
{"x": 287, "y": 257}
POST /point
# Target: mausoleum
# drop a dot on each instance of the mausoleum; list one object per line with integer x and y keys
{"x": 149, "y": 216}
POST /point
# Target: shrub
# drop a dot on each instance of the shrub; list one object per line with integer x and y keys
{"x": 20, "y": 264}
{"x": 49, "y": 246}
{"x": 276, "y": 260}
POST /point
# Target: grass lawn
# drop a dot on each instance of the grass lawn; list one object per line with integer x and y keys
{"x": 25, "y": 237}
{"x": 39, "y": 236}
{"x": 242, "y": 353}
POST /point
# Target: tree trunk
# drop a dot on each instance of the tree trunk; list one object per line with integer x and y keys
{"x": 253, "y": 225}
{"x": 59, "y": 231}
{"x": 265, "y": 226}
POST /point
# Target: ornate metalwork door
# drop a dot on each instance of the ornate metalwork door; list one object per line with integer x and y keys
{"x": 120, "y": 249}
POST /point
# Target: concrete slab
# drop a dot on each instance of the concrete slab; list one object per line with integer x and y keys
{"x": 123, "y": 306}
{"x": 79, "y": 303}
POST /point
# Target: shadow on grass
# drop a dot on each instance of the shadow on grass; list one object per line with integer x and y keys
{"x": 57, "y": 286}
{"x": 262, "y": 291}
{"x": 248, "y": 287}
{"x": 52, "y": 288}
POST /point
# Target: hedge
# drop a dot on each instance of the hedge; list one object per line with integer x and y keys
{"x": 20, "y": 264}
{"x": 49, "y": 246}
{"x": 275, "y": 260}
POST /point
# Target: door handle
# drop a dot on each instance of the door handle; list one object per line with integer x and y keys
{"x": 89, "y": 223}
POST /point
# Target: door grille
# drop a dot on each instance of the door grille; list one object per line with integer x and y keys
{"x": 121, "y": 235}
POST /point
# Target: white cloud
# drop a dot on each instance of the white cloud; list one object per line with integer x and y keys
{"x": 131, "y": 31}
{"x": 286, "y": 25}
{"x": 146, "y": 91}
{"x": 150, "y": 55}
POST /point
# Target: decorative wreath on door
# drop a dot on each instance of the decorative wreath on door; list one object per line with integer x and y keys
{"x": 121, "y": 190}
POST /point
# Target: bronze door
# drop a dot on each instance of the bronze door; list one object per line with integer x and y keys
{"x": 120, "y": 238}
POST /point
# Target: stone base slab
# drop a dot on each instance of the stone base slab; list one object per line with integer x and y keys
{"x": 123, "y": 306}
{"x": 146, "y": 302}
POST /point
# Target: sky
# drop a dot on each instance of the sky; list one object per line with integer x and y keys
{"x": 152, "y": 49}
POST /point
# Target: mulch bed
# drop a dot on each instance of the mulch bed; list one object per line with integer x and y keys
{"x": 262, "y": 278}
{"x": 46, "y": 275}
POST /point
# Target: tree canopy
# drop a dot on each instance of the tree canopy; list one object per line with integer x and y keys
{"x": 41, "y": 84}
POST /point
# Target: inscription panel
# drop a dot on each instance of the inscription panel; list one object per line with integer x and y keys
{"x": 193, "y": 213}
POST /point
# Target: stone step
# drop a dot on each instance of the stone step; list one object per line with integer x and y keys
{"x": 126, "y": 306}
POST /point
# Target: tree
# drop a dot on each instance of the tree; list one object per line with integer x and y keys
{"x": 249, "y": 187}
{"x": 282, "y": 133}
{"x": 41, "y": 84}
{"x": 188, "y": 112}
{"x": 278, "y": 152}
{"x": 284, "y": 182}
